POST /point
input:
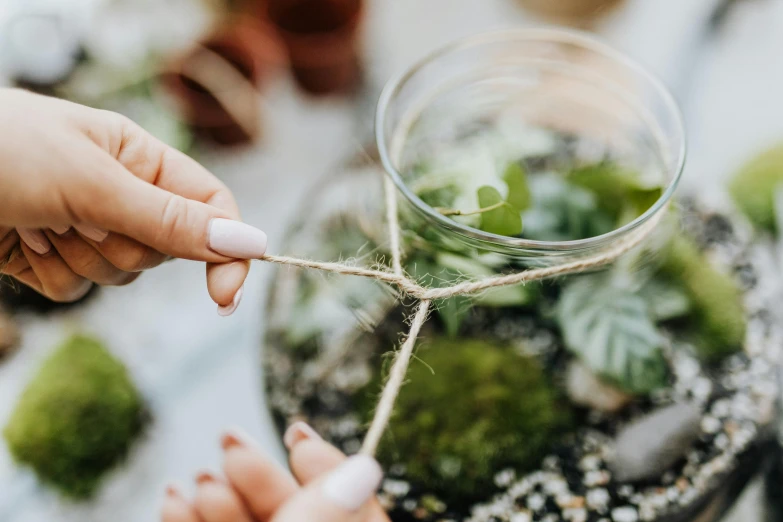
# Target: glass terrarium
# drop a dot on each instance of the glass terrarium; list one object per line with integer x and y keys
{"x": 643, "y": 390}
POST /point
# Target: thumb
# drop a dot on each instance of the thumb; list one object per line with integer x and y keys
{"x": 343, "y": 495}
{"x": 169, "y": 223}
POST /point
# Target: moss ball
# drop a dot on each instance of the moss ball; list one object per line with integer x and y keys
{"x": 469, "y": 410}
{"x": 753, "y": 187}
{"x": 77, "y": 417}
{"x": 719, "y": 322}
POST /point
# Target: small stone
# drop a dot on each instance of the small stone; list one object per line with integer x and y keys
{"x": 521, "y": 516}
{"x": 598, "y": 499}
{"x": 710, "y": 424}
{"x": 590, "y": 462}
{"x": 575, "y": 514}
{"x": 625, "y": 514}
{"x": 596, "y": 478}
{"x": 535, "y": 502}
{"x": 397, "y": 488}
{"x": 504, "y": 478}
{"x": 682, "y": 483}
{"x": 586, "y": 389}
{"x": 647, "y": 447}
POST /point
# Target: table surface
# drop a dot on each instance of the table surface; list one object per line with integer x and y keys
{"x": 201, "y": 372}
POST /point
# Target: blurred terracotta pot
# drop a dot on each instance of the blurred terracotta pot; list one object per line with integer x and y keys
{"x": 573, "y": 11}
{"x": 216, "y": 83}
{"x": 321, "y": 37}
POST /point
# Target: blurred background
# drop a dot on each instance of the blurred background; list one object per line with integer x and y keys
{"x": 271, "y": 95}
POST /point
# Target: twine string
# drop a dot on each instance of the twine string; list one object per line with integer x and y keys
{"x": 426, "y": 295}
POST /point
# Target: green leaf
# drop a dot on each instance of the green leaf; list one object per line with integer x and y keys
{"x": 754, "y": 185}
{"x": 518, "y": 191}
{"x": 505, "y": 220}
{"x": 611, "y": 330}
{"x": 460, "y": 266}
{"x": 617, "y": 189}
{"x": 665, "y": 299}
{"x": 563, "y": 211}
{"x": 718, "y": 311}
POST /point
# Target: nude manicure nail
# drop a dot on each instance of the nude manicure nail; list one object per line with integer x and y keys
{"x": 297, "y": 432}
{"x": 236, "y": 437}
{"x": 236, "y": 239}
{"x": 354, "y": 482}
{"x": 226, "y": 310}
{"x": 91, "y": 232}
{"x": 60, "y": 229}
{"x": 35, "y": 239}
{"x": 203, "y": 477}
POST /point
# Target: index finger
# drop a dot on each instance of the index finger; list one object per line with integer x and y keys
{"x": 169, "y": 169}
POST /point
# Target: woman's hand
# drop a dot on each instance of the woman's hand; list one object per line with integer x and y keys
{"x": 95, "y": 198}
{"x": 326, "y": 486}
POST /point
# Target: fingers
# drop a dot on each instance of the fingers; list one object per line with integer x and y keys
{"x": 56, "y": 279}
{"x": 177, "y": 509}
{"x": 86, "y": 261}
{"x": 310, "y": 457}
{"x": 217, "y": 502}
{"x": 261, "y": 483}
{"x": 154, "y": 162}
{"x": 342, "y": 495}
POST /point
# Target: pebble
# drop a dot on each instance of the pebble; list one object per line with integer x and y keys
{"x": 647, "y": 447}
{"x": 586, "y": 389}
{"x": 625, "y": 514}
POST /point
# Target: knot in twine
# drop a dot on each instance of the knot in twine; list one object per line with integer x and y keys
{"x": 425, "y": 295}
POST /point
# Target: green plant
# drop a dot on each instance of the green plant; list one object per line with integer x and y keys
{"x": 469, "y": 410}
{"x": 77, "y": 417}
{"x": 753, "y": 187}
{"x": 612, "y": 330}
{"x": 719, "y": 323}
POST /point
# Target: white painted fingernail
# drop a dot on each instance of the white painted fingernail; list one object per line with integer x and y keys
{"x": 226, "y": 310}
{"x": 236, "y": 239}
{"x": 60, "y": 230}
{"x": 354, "y": 482}
{"x": 91, "y": 232}
{"x": 297, "y": 432}
{"x": 35, "y": 239}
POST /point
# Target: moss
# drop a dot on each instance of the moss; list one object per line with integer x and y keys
{"x": 485, "y": 408}
{"x": 753, "y": 187}
{"x": 719, "y": 318}
{"x": 77, "y": 417}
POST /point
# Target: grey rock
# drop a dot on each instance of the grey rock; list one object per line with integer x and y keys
{"x": 647, "y": 447}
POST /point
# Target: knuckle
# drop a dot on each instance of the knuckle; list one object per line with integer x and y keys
{"x": 132, "y": 258}
{"x": 172, "y": 219}
{"x": 67, "y": 291}
{"x": 218, "y": 503}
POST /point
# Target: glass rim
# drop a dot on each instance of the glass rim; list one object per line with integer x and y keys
{"x": 564, "y": 36}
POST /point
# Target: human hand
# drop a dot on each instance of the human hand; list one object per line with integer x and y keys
{"x": 326, "y": 486}
{"x": 95, "y": 198}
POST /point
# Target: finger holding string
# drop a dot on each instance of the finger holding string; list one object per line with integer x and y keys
{"x": 48, "y": 273}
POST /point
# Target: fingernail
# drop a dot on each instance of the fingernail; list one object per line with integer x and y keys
{"x": 354, "y": 482}
{"x": 204, "y": 477}
{"x": 60, "y": 230}
{"x": 91, "y": 232}
{"x": 35, "y": 239}
{"x": 173, "y": 491}
{"x": 236, "y": 239}
{"x": 297, "y": 432}
{"x": 226, "y": 310}
{"x": 236, "y": 437}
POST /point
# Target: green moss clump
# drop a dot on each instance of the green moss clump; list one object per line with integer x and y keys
{"x": 753, "y": 188}
{"x": 77, "y": 417}
{"x": 468, "y": 411}
{"x": 719, "y": 318}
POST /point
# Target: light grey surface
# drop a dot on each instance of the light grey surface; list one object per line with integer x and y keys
{"x": 202, "y": 372}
